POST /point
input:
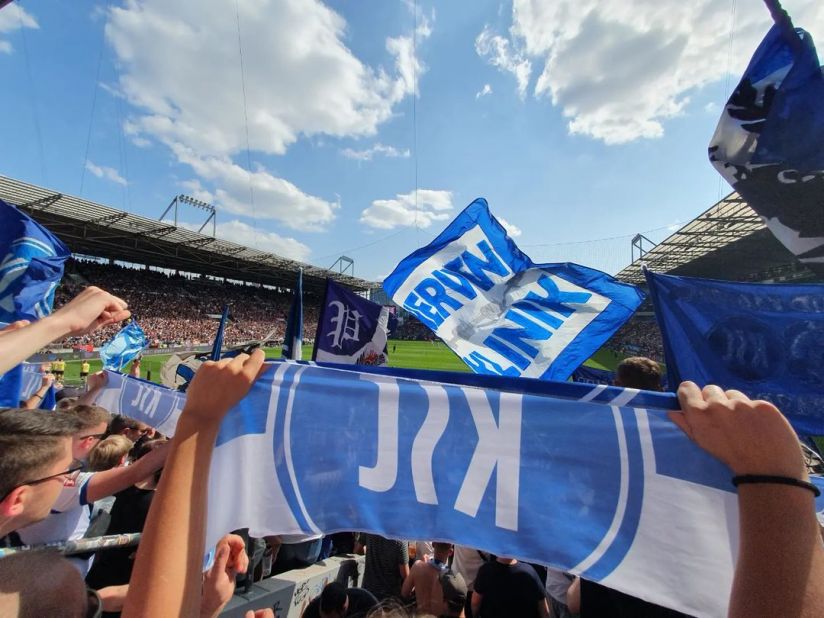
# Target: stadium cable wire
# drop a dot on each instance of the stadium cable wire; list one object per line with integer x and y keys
{"x": 95, "y": 88}
{"x": 246, "y": 125}
{"x": 27, "y": 62}
{"x": 729, "y": 72}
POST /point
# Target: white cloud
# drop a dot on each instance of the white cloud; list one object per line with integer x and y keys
{"x": 487, "y": 89}
{"x": 378, "y": 149}
{"x": 513, "y": 230}
{"x": 274, "y": 198}
{"x": 180, "y": 69}
{"x": 109, "y": 173}
{"x": 13, "y": 17}
{"x": 501, "y": 53}
{"x": 618, "y": 70}
{"x": 301, "y": 79}
{"x": 432, "y": 205}
{"x": 244, "y": 234}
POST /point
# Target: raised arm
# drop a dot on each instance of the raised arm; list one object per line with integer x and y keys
{"x": 780, "y": 570}
{"x": 109, "y": 482}
{"x": 93, "y": 308}
{"x": 166, "y": 580}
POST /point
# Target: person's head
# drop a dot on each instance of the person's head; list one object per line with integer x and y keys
{"x": 35, "y": 459}
{"x": 143, "y": 448}
{"x": 442, "y": 550}
{"x": 129, "y": 427}
{"x": 94, "y": 421}
{"x": 42, "y": 584}
{"x": 639, "y": 372}
{"x": 454, "y": 592}
{"x": 333, "y": 601}
{"x": 109, "y": 453}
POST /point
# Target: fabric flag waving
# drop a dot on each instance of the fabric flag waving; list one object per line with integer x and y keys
{"x": 765, "y": 340}
{"x": 768, "y": 141}
{"x": 31, "y": 266}
{"x": 123, "y": 347}
{"x": 500, "y": 312}
{"x": 217, "y": 346}
{"x": 352, "y": 329}
{"x": 293, "y": 340}
{"x": 591, "y": 479}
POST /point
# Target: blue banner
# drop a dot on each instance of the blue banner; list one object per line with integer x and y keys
{"x": 351, "y": 329}
{"x": 768, "y": 141}
{"x": 293, "y": 339}
{"x": 765, "y": 340}
{"x": 571, "y": 475}
{"x": 500, "y": 312}
{"x": 123, "y": 347}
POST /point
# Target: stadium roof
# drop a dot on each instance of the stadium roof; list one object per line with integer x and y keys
{"x": 729, "y": 241}
{"x": 91, "y": 228}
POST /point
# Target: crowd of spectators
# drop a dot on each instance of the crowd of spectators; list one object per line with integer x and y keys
{"x": 173, "y": 309}
{"x": 639, "y": 336}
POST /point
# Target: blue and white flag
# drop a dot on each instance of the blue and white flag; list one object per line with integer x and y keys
{"x": 766, "y": 340}
{"x": 590, "y": 479}
{"x": 123, "y": 347}
{"x": 500, "y": 312}
{"x": 293, "y": 340}
{"x": 768, "y": 141}
{"x": 351, "y": 329}
{"x": 31, "y": 266}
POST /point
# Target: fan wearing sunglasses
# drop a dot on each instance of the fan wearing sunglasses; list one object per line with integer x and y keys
{"x": 35, "y": 461}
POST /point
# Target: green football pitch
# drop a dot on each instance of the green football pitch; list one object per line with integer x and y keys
{"x": 432, "y": 355}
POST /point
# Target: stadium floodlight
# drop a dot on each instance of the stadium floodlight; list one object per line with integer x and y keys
{"x": 638, "y": 243}
{"x": 190, "y": 201}
{"x": 344, "y": 264}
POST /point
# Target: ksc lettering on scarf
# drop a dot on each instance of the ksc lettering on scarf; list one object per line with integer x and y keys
{"x": 562, "y": 474}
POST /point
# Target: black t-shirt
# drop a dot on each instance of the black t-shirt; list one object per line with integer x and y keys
{"x": 508, "y": 590}
{"x": 360, "y": 602}
{"x": 598, "y": 601}
{"x": 114, "y": 567}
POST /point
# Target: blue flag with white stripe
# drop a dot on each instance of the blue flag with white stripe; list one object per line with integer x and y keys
{"x": 498, "y": 310}
{"x": 765, "y": 340}
{"x": 293, "y": 339}
{"x": 121, "y": 349}
{"x": 217, "y": 345}
{"x": 595, "y": 480}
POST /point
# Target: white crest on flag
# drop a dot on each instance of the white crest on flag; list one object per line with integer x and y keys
{"x": 347, "y": 324}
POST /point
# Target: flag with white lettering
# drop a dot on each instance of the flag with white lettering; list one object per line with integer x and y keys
{"x": 351, "y": 329}
{"x": 498, "y": 310}
{"x": 587, "y": 478}
{"x": 768, "y": 141}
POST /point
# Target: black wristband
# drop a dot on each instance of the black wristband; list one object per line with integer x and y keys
{"x": 746, "y": 479}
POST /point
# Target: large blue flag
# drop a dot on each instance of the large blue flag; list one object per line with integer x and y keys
{"x": 768, "y": 144}
{"x": 31, "y": 266}
{"x": 293, "y": 339}
{"x": 766, "y": 340}
{"x": 590, "y": 479}
{"x": 499, "y": 311}
{"x": 123, "y": 347}
{"x": 351, "y": 329}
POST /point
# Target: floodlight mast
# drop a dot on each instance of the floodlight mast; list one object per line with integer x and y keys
{"x": 344, "y": 265}
{"x": 190, "y": 201}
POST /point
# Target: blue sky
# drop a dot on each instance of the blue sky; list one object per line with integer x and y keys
{"x": 582, "y": 122}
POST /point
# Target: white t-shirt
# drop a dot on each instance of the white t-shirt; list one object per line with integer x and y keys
{"x": 68, "y": 521}
{"x": 466, "y": 561}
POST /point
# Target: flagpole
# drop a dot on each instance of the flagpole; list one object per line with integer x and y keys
{"x": 320, "y": 321}
{"x": 783, "y": 20}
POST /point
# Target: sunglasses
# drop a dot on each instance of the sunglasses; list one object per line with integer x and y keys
{"x": 76, "y": 466}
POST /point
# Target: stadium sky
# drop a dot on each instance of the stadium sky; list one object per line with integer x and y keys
{"x": 582, "y": 122}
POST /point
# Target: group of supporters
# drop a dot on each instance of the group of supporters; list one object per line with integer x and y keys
{"x": 78, "y": 471}
{"x": 175, "y": 310}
